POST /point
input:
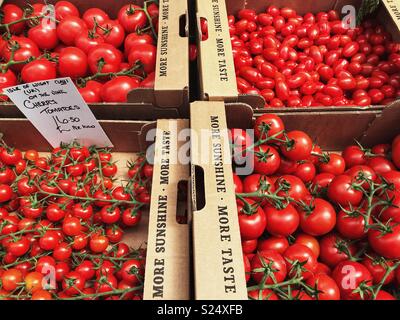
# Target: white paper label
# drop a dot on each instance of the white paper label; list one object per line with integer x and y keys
{"x": 56, "y": 108}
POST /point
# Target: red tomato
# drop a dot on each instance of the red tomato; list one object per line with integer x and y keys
{"x": 45, "y": 37}
{"x": 12, "y": 13}
{"x": 104, "y": 58}
{"x": 386, "y": 242}
{"x": 73, "y": 283}
{"x": 69, "y": 28}
{"x": 278, "y": 244}
{"x": 94, "y": 15}
{"x": 267, "y": 126}
{"x": 378, "y": 267}
{"x": 303, "y": 255}
{"x": 91, "y": 92}
{"x": 350, "y": 276}
{"x": 342, "y": 192}
{"x": 326, "y": 286}
{"x": 145, "y": 54}
{"x": 281, "y": 222}
{"x": 117, "y": 89}
{"x": 132, "y": 18}
{"x": 65, "y": 9}
{"x": 298, "y": 147}
{"x": 132, "y": 271}
{"x": 305, "y": 171}
{"x": 87, "y": 41}
{"x": 112, "y": 32}
{"x": 134, "y": 39}
{"x": 252, "y": 220}
{"x": 264, "y": 294}
{"x": 38, "y": 70}
{"x": 333, "y": 249}
{"x": 266, "y": 160}
{"x": 308, "y": 241}
{"x": 318, "y": 218}
{"x": 5, "y": 193}
{"x": 269, "y": 267}
{"x": 72, "y": 63}
{"x": 332, "y": 163}
{"x": 292, "y": 187}
{"x": 351, "y": 225}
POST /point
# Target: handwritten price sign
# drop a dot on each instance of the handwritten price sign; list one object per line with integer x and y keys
{"x": 59, "y": 112}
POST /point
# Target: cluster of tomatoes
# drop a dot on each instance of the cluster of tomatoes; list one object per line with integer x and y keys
{"x": 62, "y": 221}
{"x": 317, "y": 225}
{"x": 313, "y": 60}
{"x": 107, "y": 58}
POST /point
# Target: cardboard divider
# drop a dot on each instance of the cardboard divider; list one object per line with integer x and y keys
{"x": 172, "y": 61}
{"x": 216, "y": 59}
{"x": 167, "y": 260}
{"x": 170, "y": 96}
{"x": 213, "y": 89}
{"x": 218, "y": 259}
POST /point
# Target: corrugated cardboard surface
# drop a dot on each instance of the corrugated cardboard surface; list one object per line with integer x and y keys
{"x": 167, "y": 260}
{"x": 170, "y": 97}
{"x": 218, "y": 259}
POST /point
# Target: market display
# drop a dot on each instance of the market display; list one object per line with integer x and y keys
{"x": 79, "y": 222}
{"x": 318, "y": 225}
{"x": 107, "y": 58}
{"x": 62, "y": 223}
{"x": 313, "y": 60}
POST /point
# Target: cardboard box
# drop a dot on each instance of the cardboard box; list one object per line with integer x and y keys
{"x": 218, "y": 260}
{"x": 217, "y": 72}
{"x": 210, "y": 280}
{"x": 170, "y": 96}
{"x": 167, "y": 274}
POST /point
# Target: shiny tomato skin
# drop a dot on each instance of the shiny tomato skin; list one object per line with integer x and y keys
{"x": 69, "y": 28}
{"x": 330, "y": 251}
{"x": 281, "y": 222}
{"x": 38, "y": 70}
{"x": 303, "y": 254}
{"x": 261, "y": 262}
{"x": 278, "y": 244}
{"x": 117, "y": 89}
{"x": 72, "y": 63}
{"x": 386, "y": 244}
{"x": 327, "y": 287}
{"x": 299, "y": 148}
{"x": 317, "y": 219}
{"x": 266, "y": 160}
{"x": 348, "y": 275}
{"x": 340, "y": 191}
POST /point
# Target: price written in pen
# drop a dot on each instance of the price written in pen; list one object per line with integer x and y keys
{"x": 63, "y": 122}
